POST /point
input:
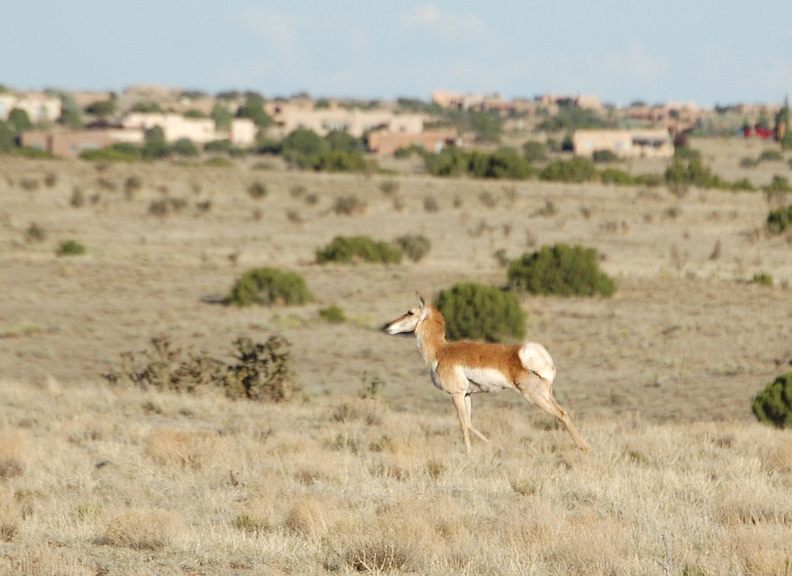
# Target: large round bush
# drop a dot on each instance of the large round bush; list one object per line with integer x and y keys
{"x": 269, "y": 286}
{"x": 480, "y": 312}
{"x": 562, "y": 270}
{"x": 347, "y": 249}
{"x": 773, "y": 405}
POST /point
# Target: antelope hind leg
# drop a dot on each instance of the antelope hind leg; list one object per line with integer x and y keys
{"x": 539, "y": 392}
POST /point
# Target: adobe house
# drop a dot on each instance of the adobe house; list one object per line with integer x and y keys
{"x": 640, "y": 143}
{"x": 385, "y": 142}
{"x": 72, "y": 143}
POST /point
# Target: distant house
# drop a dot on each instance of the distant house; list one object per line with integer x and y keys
{"x": 71, "y": 143}
{"x": 585, "y": 101}
{"x": 174, "y": 126}
{"x": 642, "y": 143}
{"x": 39, "y": 106}
{"x": 289, "y": 117}
{"x": 385, "y": 142}
{"x": 243, "y": 132}
{"x": 7, "y": 102}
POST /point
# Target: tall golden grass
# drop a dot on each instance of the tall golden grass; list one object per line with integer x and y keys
{"x": 213, "y": 486}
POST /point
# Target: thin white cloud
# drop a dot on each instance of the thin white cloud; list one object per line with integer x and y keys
{"x": 278, "y": 29}
{"x": 634, "y": 64}
{"x": 448, "y": 26}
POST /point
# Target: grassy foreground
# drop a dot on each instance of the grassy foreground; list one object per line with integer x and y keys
{"x": 101, "y": 481}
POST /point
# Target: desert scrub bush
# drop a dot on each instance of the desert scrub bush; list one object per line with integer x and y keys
{"x": 50, "y": 179}
{"x": 773, "y": 405}
{"x": 333, "y": 314}
{"x": 257, "y": 190}
{"x": 166, "y": 367}
{"x": 778, "y": 220}
{"x": 349, "y": 249}
{"x": 574, "y": 170}
{"x": 77, "y": 199}
{"x": 29, "y": 184}
{"x": 261, "y": 372}
{"x": 269, "y": 286}
{"x": 35, "y": 233}
{"x": 561, "y": 270}
{"x": 348, "y": 205}
{"x": 165, "y": 206}
{"x": 70, "y": 248}
{"x": 431, "y": 205}
{"x": 770, "y": 155}
{"x": 131, "y": 187}
{"x": 478, "y": 311}
{"x": 763, "y": 279}
{"x": 389, "y": 187}
{"x": 415, "y": 246}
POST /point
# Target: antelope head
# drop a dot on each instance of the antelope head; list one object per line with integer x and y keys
{"x": 409, "y": 321}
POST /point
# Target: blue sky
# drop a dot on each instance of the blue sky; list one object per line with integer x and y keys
{"x": 709, "y": 51}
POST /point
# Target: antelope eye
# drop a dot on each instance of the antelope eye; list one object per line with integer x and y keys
{"x": 409, "y": 313}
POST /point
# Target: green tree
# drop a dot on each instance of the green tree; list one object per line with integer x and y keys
{"x": 20, "y": 120}
{"x": 147, "y": 107}
{"x": 102, "y": 108}
{"x": 7, "y": 141}
{"x": 486, "y": 125}
{"x": 764, "y": 121}
{"x": 340, "y": 140}
{"x": 570, "y": 118}
{"x": 185, "y": 147}
{"x": 534, "y": 151}
{"x": 71, "y": 114}
{"x": 253, "y": 108}
{"x": 304, "y": 142}
{"x": 194, "y": 114}
{"x": 156, "y": 146}
{"x": 782, "y": 126}
{"x": 222, "y": 116}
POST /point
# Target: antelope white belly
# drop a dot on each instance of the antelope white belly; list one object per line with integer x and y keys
{"x": 485, "y": 380}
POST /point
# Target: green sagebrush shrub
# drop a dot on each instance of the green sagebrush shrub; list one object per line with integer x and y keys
{"x": 574, "y": 170}
{"x": 773, "y": 405}
{"x": 70, "y": 248}
{"x": 560, "y": 269}
{"x": 779, "y": 220}
{"x": 269, "y": 286}
{"x": 480, "y": 312}
{"x": 346, "y": 249}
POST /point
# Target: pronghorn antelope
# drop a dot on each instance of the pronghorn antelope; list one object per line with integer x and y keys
{"x": 463, "y": 368}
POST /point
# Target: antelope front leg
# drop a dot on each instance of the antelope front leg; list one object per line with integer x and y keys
{"x": 459, "y": 402}
{"x": 469, "y": 418}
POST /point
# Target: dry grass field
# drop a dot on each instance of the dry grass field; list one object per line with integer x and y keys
{"x": 658, "y": 378}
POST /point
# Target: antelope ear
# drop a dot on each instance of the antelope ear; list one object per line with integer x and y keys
{"x": 421, "y": 299}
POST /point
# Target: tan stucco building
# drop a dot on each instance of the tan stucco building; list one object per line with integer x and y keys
{"x": 643, "y": 143}
{"x": 385, "y": 142}
{"x": 289, "y": 117}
